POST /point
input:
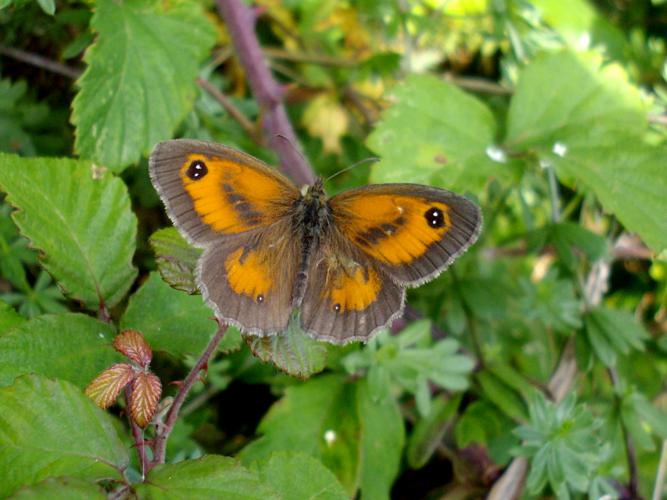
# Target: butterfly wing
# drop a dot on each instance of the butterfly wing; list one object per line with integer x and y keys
{"x": 248, "y": 279}
{"x": 348, "y": 297}
{"x": 211, "y": 190}
{"x": 240, "y": 210}
{"x": 411, "y": 232}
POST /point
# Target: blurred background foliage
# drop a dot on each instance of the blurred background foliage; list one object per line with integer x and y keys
{"x": 546, "y": 341}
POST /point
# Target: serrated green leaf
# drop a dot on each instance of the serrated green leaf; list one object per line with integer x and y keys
{"x": 427, "y": 434}
{"x": 566, "y": 235}
{"x": 285, "y": 473}
{"x": 448, "y": 132}
{"x": 62, "y": 488}
{"x": 50, "y": 428}
{"x": 176, "y": 259}
{"x": 80, "y": 218}
{"x": 208, "y": 477}
{"x": 562, "y": 96}
{"x": 70, "y": 346}
{"x": 612, "y": 332}
{"x": 317, "y": 417}
{"x": 139, "y": 83}
{"x": 291, "y": 351}
{"x": 587, "y": 121}
{"x": 382, "y": 441}
{"x": 504, "y": 397}
{"x": 169, "y": 320}
{"x": 9, "y": 318}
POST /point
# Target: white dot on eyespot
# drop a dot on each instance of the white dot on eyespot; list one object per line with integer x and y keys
{"x": 329, "y": 437}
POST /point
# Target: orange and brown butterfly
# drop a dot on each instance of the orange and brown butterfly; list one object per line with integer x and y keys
{"x": 270, "y": 249}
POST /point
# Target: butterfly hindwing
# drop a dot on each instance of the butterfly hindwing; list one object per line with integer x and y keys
{"x": 413, "y": 232}
{"x": 347, "y": 298}
{"x": 211, "y": 190}
{"x": 248, "y": 279}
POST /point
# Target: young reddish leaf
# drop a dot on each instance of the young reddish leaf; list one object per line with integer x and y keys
{"x": 146, "y": 390}
{"x": 106, "y": 387}
{"x": 132, "y": 344}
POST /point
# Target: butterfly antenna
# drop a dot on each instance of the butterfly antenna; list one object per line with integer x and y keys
{"x": 360, "y": 162}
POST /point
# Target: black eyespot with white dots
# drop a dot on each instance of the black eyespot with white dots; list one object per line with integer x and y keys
{"x": 435, "y": 217}
{"x": 336, "y": 307}
{"x": 260, "y": 298}
{"x": 197, "y": 170}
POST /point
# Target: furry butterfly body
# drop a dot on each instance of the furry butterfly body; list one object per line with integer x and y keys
{"x": 269, "y": 248}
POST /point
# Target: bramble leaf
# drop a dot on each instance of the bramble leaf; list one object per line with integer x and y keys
{"x": 105, "y": 388}
{"x": 80, "y": 218}
{"x": 444, "y": 136}
{"x": 50, "y": 428}
{"x": 285, "y": 473}
{"x": 176, "y": 259}
{"x": 71, "y": 346}
{"x": 146, "y": 391}
{"x": 208, "y": 477}
{"x": 139, "y": 83}
{"x": 169, "y": 320}
{"x": 131, "y": 343}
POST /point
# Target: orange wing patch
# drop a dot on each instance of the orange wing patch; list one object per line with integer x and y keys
{"x": 353, "y": 291}
{"x": 394, "y": 229}
{"x": 248, "y": 274}
{"x": 228, "y": 196}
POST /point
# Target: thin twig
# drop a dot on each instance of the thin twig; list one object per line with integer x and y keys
{"x": 240, "y": 21}
{"x": 661, "y": 473}
{"x": 477, "y": 85}
{"x": 630, "y": 453}
{"x": 233, "y": 111}
{"x": 40, "y": 62}
{"x": 137, "y": 434}
{"x": 160, "y": 442}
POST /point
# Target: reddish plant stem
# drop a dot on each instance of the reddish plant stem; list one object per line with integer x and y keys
{"x": 160, "y": 442}
{"x": 277, "y": 127}
{"x": 137, "y": 434}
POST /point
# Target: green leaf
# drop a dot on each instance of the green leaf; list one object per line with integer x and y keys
{"x": 587, "y": 121}
{"x": 70, "y": 346}
{"x": 140, "y": 80}
{"x": 9, "y": 318}
{"x": 566, "y": 235}
{"x": 291, "y": 351}
{"x": 504, "y": 397}
{"x": 48, "y": 6}
{"x": 429, "y": 431}
{"x": 317, "y": 417}
{"x": 170, "y": 320}
{"x": 208, "y": 477}
{"x": 80, "y": 218}
{"x": 628, "y": 178}
{"x": 48, "y": 429}
{"x": 382, "y": 441}
{"x": 612, "y": 332}
{"x": 176, "y": 259}
{"x": 62, "y": 488}
{"x": 285, "y": 473}
{"x": 435, "y": 134}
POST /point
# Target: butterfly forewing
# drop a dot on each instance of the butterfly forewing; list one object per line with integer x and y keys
{"x": 412, "y": 232}
{"x": 211, "y": 190}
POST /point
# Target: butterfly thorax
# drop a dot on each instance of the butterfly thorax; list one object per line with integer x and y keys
{"x": 310, "y": 221}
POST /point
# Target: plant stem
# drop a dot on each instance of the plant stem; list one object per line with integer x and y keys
{"x": 137, "y": 434}
{"x": 661, "y": 473}
{"x": 630, "y": 453}
{"x": 40, "y": 62}
{"x": 160, "y": 443}
{"x": 233, "y": 111}
{"x": 241, "y": 22}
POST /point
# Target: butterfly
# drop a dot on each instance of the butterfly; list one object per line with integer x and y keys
{"x": 272, "y": 252}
